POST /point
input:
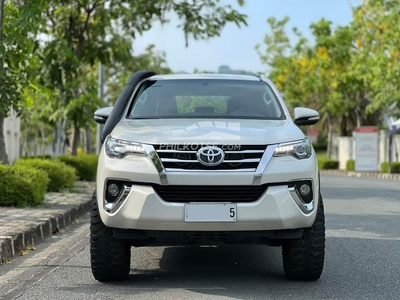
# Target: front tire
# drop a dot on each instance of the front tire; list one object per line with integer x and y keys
{"x": 303, "y": 259}
{"x": 110, "y": 258}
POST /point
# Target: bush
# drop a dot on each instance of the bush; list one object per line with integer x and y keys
{"x": 84, "y": 164}
{"x": 350, "y": 165}
{"x": 22, "y": 186}
{"x": 320, "y": 147}
{"x": 44, "y": 156}
{"x": 395, "y": 167}
{"x": 328, "y": 164}
{"x": 60, "y": 175}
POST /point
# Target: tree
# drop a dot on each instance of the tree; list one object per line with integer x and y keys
{"x": 377, "y": 60}
{"x": 82, "y": 33}
{"x": 18, "y": 23}
{"x": 320, "y": 75}
{"x": 119, "y": 73}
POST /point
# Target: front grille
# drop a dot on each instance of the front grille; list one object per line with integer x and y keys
{"x": 220, "y": 193}
{"x": 183, "y": 157}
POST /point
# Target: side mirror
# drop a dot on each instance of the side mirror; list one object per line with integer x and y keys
{"x": 101, "y": 115}
{"x": 305, "y": 116}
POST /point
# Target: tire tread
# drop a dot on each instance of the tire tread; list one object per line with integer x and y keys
{"x": 303, "y": 259}
{"x": 110, "y": 257}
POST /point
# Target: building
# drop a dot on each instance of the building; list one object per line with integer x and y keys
{"x": 12, "y": 134}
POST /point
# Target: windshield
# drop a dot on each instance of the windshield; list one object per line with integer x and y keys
{"x": 202, "y": 98}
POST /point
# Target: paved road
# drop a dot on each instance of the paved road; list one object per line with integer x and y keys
{"x": 363, "y": 260}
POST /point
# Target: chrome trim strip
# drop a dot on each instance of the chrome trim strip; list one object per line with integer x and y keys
{"x": 306, "y": 208}
{"x": 246, "y": 160}
{"x": 269, "y": 152}
{"x": 176, "y": 151}
{"x": 227, "y": 151}
{"x": 152, "y": 153}
{"x": 244, "y": 151}
{"x": 178, "y": 160}
{"x": 213, "y": 171}
{"x": 113, "y": 206}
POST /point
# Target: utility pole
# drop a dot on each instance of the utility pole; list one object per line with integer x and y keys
{"x": 101, "y": 96}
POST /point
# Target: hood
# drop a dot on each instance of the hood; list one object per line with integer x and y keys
{"x": 221, "y": 131}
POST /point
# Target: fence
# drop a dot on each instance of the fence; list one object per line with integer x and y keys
{"x": 346, "y": 149}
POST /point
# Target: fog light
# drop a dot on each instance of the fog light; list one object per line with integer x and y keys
{"x": 305, "y": 189}
{"x": 113, "y": 190}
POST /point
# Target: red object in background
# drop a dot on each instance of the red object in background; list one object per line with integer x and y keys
{"x": 367, "y": 129}
{"x": 312, "y": 134}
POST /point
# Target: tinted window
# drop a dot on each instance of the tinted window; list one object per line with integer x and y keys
{"x": 202, "y": 98}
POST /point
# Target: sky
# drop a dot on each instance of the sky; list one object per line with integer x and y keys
{"x": 236, "y": 46}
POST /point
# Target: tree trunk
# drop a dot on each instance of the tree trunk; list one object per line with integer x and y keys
{"x": 43, "y": 141}
{"x": 358, "y": 116}
{"x": 3, "y": 152}
{"x": 330, "y": 130}
{"x": 89, "y": 141}
{"x": 75, "y": 140}
{"x": 343, "y": 127}
{"x": 59, "y": 139}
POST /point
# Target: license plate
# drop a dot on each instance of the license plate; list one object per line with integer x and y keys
{"x": 210, "y": 212}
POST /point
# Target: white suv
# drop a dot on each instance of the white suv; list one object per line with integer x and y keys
{"x": 205, "y": 160}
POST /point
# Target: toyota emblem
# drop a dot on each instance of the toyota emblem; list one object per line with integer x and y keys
{"x": 210, "y": 156}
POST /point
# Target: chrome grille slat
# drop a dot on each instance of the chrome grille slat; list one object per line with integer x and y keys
{"x": 244, "y": 151}
{"x": 176, "y": 151}
{"x": 249, "y": 160}
{"x": 183, "y": 158}
{"x": 179, "y": 158}
{"x": 196, "y": 170}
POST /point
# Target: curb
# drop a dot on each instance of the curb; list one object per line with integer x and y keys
{"x": 361, "y": 174}
{"x": 12, "y": 245}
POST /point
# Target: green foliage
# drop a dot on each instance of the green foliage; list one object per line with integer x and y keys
{"x": 187, "y": 104}
{"x": 328, "y": 164}
{"x": 324, "y": 75}
{"x": 118, "y": 74}
{"x": 61, "y": 176}
{"x": 84, "y": 33}
{"x": 36, "y": 157}
{"x": 377, "y": 59}
{"x": 395, "y": 167}
{"x": 84, "y": 164}
{"x": 16, "y": 47}
{"x": 318, "y": 147}
{"x": 350, "y": 165}
{"x": 22, "y": 186}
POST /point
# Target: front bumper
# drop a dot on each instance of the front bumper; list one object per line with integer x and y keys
{"x": 144, "y": 209}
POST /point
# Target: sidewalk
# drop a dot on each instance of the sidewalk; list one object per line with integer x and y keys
{"x": 20, "y": 228}
{"x": 376, "y": 175}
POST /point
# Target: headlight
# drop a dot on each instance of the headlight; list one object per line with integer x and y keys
{"x": 299, "y": 149}
{"x": 120, "y": 148}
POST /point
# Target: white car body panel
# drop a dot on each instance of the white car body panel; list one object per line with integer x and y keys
{"x": 144, "y": 209}
{"x": 224, "y": 131}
